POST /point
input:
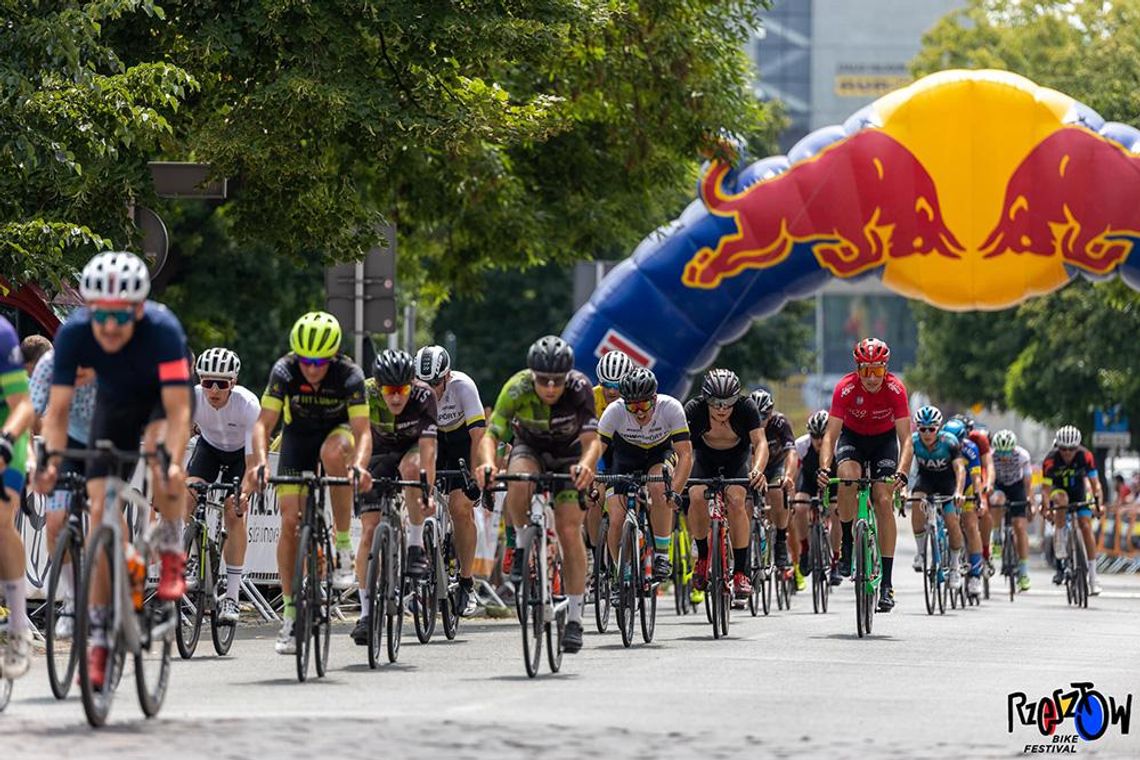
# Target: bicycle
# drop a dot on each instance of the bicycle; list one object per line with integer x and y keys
{"x": 719, "y": 595}
{"x": 603, "y": 576}
{"x": 936, "y": 554}
{"x": 681, "y": 555}
{"x": 312, "y": 579}
{"x": 1075, "y": 560}
{"x": 868, "y": 568}
{"x": 540, "y": 603}
{"x": 137, "y": 625}
{"x": 385, "y": 575}
{"x": 761, "y": 554}
{"x": 1009, "y": 556}
{"x": 958, "y": 597}
{"x": 439, "y": 586}
{"x": 819, "y": 552}
{"x": 204, "y": 554}
{"x": 636, "y": 587}
{"x": 66, "y": 557}
{"x": 446, "y": 559}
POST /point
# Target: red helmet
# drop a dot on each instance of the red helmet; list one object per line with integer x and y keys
{"x": 872, "y": 351}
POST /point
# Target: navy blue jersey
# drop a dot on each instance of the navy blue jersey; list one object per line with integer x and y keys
{"x": 155, "y": 356}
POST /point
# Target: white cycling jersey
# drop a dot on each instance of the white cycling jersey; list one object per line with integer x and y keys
{"x": 668, "y": 424}
{"x": 231, "y": 427}
{"x": 460, "y": 405}
{"x": 1012, "y": 467}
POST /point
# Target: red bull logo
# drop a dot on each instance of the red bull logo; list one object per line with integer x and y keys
{"x": 857, "y": 203}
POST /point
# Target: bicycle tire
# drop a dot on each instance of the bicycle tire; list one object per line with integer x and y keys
{"x": 755, "y": 603}
{"x": 985, "y": 581}
{"x": 192, "y": 605}
{"x": 679, "y": 553}
{"x": 726, "y": 586}
{"x": 5, "y": 693}
{"x": 322, "y": 625}
{"x": 864, "y": 603}
{"x": 425, "y": 590}
{"x": 647, "y": 603}
{"x": 394, "y": 602}
{"x": 1080, "y": 569}
{"x": 153, "y": 654}
{"x": 304, "y": 582}
{"x": 529, "y": 600}
{"x": 943, "y": 562}
{"x": 449, "y": 602}
{"x": 930, "y": 574}
{"x": 815, "y": 562}
{"x": 627, "y": 579}
{"x": 375, "y": 587}
{"x": 62, "y": 672}
{"x": 221, "y": 634}
{"x": 555, "y": 630}
{"x": 603, "y": 577}
{"x": 97, "y": 702}
{"x": 767, "y": 569}
{"x": 1008, "y": 552}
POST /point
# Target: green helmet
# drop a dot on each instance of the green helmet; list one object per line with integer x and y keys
{"x": 315, "y": 335}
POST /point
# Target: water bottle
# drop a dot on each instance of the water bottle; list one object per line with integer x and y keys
{"x": 136, "y": 572}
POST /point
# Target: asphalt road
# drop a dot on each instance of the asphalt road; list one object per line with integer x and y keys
{"x": 791, "y": 684}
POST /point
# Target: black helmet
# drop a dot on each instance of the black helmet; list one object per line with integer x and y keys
{"x": 639, "y": 384}
{"x": 550, "y": 355}
{"x": 394, "y": 368}
{"x": 721, "y": 383}
{"x": 763, "y": 401}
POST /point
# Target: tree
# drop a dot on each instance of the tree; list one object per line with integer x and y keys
{"x": 79, "y": 125}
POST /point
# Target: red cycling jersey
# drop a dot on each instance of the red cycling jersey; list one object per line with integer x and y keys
{"x": 869, "y": 413}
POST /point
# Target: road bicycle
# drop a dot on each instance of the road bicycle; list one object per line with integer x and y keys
{"x": 719, "y": 593}
{"x": 66, "y": 563}
{"x": 935, "y": 553}
{"x": 204, "y": 540}
{"x": 819, "y": 552}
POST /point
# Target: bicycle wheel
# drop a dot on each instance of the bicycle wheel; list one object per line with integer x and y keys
{"x": 818, "y": 581}
{"x": 375, "y": 587}
{"x": 192, "y": 606}
{"x": 679, "y": 554}
{"x": 449, "y": 601}
{"x": 529, "y": 600}
{"x": 1080, "y": 570}
{"x": 718, "y": 565}
{"x": 97, "y": 700}
{"x": 647, "y": 602}
{"x": 863, "y": 601}
{"x": 322, "y": 596}
{"x": 603, "y": 577}
{"x": 943, "y": 555}
{"x": 304, "y": 584}
{"x": 152, "y": 660}
{"x": 767, "y": 569}
{"x": 628, "y": 578}
{"x": 824, "y": 568}
{"x": 726, "y": 588}
{"x": 393, "y": 563}
{"x": 62, "y": 660}
{"x": 985, "y": 581}
{"x": 222, "y": 634}
{"x": 1009, "y": 564}
{"x": 756, "y": 601}
{"x": 5, "y": 693}
{"x": 930, "y": 573}
{"x": 424, "y": 616}
{"x": 554, "y": 632}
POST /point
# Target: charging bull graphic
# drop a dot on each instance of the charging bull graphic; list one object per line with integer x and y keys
{"x": 967, "y": 189}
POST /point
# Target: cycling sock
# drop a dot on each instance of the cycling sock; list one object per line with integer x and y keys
{"x": 15, "y": 592}
{"x": 985, "y": 550}
{"x": 365, "y": 606}
{"x": 803, "y": 547}
{"x": 975, "y": 564}
{"x": 848, "y": 539}
{"x": 920, "y": 542}
{"x": 416, "y": 535}
{"x": 343, "y": 541}
{"x": 467, "y": 583}
{"x": 290, "y": 612}
{"x": 522, "y": 539}
{"x": 1023, "y": 567}
{"x": 781, "y": 536}
{"x": 233, "y": 581}
{"x": 955, "y": 559}
{"x": 65, "y": 589}
{"x": 574, "y": 612}
{"x": 168, "y": 535}
{"x": 99, "y": 615}
{"x": 702, "y": 548}
{"x": 661, "y": 544}
{"x": 740, "y": 559}
{"x": 888, "y": 566}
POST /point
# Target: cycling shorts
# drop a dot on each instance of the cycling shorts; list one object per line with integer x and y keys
{"x": 1014, "y": 492}
{"x": 60, "y": 499}
{"x": 880, "y": 452}
{"x": 558, "y": 460}
{"x": 301, "y": 451}
{"x": 207, "y": 462}
{"x": 123, "y": 424}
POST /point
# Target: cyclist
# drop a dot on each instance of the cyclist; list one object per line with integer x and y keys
{"x": 807, "y": 487}
{"x": 78, "y": 429}
{"x": 612, "y": 367}
{"x": 16, "y": 418}
{"x": 868, "y": 425}
{"x": 138, "y": 351}
{"x": 547, "y": 411}
{"x": 643, "y": 430}
{"x": 1013, "y": 478}
{"x": 1069, "y": 473}
{"x": 402, "y": 413}
{"x": 225, "y": 414}
{"x": 981, "y": 440}
{"x": 782, "y": 459}
{"x": 943, "y": 463}
{"x": 320, "y": 393}
{"x": 461, "y": 426}
{"x": 728, "y": 440}
{"x": 972, "y": 508}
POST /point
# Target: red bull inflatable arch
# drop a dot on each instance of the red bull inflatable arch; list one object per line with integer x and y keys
{"x": 966, "y": 189}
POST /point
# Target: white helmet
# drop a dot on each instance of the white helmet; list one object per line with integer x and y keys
{"x": 1068, "y": 437}
{"x": 432, "y": 363}
{"x": 613, "y": 366}
{"x": 1004, "y": 440}
{"x": 115, "y": 276}
{"x": 218, "y": 362}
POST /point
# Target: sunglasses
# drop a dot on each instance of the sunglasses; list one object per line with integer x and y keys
{"x": 637, "y": 407}
{"x": 313, "y": 362}
{"x": 872, "y": 370}
{"x": 541, "y": 378}
{"x": 928, "y": 429}
{"x": 216, "y": 383}
{"x": 118, "y": 316}
{"x": 437, "y": 382}
{"x": 396, "y": 390}
{"x": 723, "y": 403}
{"x": 1067, "y": 448}
{"x": 612, "y": 386}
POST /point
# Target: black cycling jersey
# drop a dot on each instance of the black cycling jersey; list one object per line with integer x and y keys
{"x": 316, "y": 409}
{"x": 397, "y": 432}
{"x": 780, "y": 437}
{"x": 744, "y": 419}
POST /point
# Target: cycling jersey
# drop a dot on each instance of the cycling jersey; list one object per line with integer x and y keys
{"x": 780, "y": 437}
{"x": 600, "y": 402}
{"x": 939, "y": 456}
{"x": 744, "y": 419}
{"x": 316, "y": 409}
{"x": 1011, "y": 467}
{"x": 230, "y": 428}
{"x": 807, "y": 481}
{"x": 869, "y": 414}
{"x": 13, "y": 381}
{"x": 519, "y": 412}
{"x": 391, "y": 432}
{"x": 82, "y": 407}
{"x": 459, "y": 408}
{"x": 156, "y": 356}
{"x": 618, "y": 427}
{"x": 1069, "y": 477}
